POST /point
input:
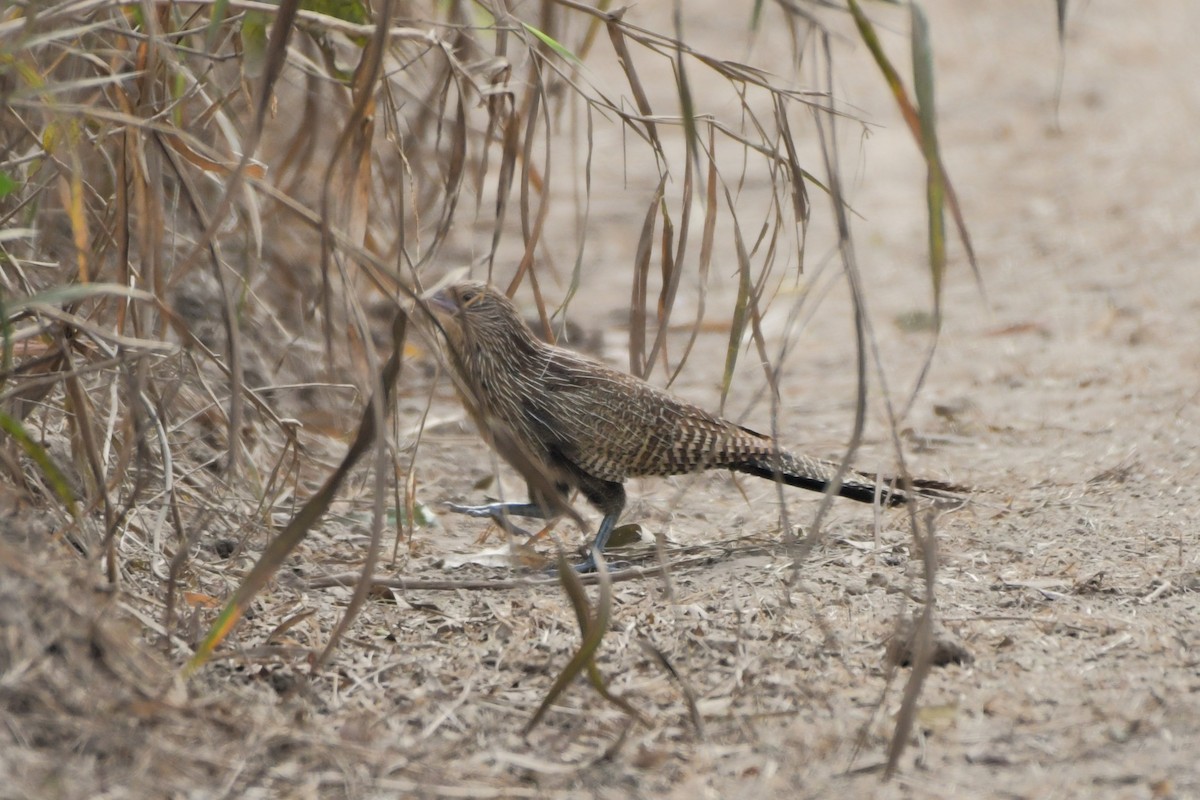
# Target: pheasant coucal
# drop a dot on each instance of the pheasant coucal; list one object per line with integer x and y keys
{"x": 564, "y": 421}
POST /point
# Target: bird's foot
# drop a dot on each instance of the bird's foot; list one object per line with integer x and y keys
{"x": 486, "y": 510}
{"x": 588, "y": 565}
{"x": 499, "y": 513}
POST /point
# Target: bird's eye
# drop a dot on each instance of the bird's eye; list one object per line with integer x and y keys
{"x": 469, "y": 296}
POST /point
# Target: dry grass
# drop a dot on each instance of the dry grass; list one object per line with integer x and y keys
{"x": 213, "y": 220}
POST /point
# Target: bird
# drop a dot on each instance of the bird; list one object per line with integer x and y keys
{"x": 566, "y": 422}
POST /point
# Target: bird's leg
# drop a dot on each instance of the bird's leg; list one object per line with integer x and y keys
{"x": 608, "y": 497}
{"x": 606, "y": 528}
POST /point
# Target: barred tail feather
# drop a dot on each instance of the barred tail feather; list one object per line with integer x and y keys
{"x": 809, "y": 473}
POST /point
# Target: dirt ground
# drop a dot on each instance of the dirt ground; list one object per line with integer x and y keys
{"x": 1068, "y": 395}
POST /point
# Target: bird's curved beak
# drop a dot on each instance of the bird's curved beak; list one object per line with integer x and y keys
{"x": 441, "y": 301}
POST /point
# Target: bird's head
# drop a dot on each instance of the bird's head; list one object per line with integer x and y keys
{"x": 478, "y": 316}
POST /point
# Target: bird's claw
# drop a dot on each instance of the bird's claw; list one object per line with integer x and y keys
{"x": 588, "y": 565}
{"x": 488, "y": 510}
{"x": 496, "y": 512}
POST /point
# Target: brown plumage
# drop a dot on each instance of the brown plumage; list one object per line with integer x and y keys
{"x": 565, "y": 421}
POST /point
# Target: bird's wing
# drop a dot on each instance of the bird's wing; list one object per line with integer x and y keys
{"x": 614, "y": 426}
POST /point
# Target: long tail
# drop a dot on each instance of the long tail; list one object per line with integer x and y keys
{"x": 815, "y": 475}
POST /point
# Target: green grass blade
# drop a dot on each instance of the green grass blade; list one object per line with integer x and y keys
{"x": 555, "y": 45}
{"x": 58, "y": 481}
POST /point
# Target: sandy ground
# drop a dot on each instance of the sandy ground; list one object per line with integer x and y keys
{"x": 1068, "y": 395}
